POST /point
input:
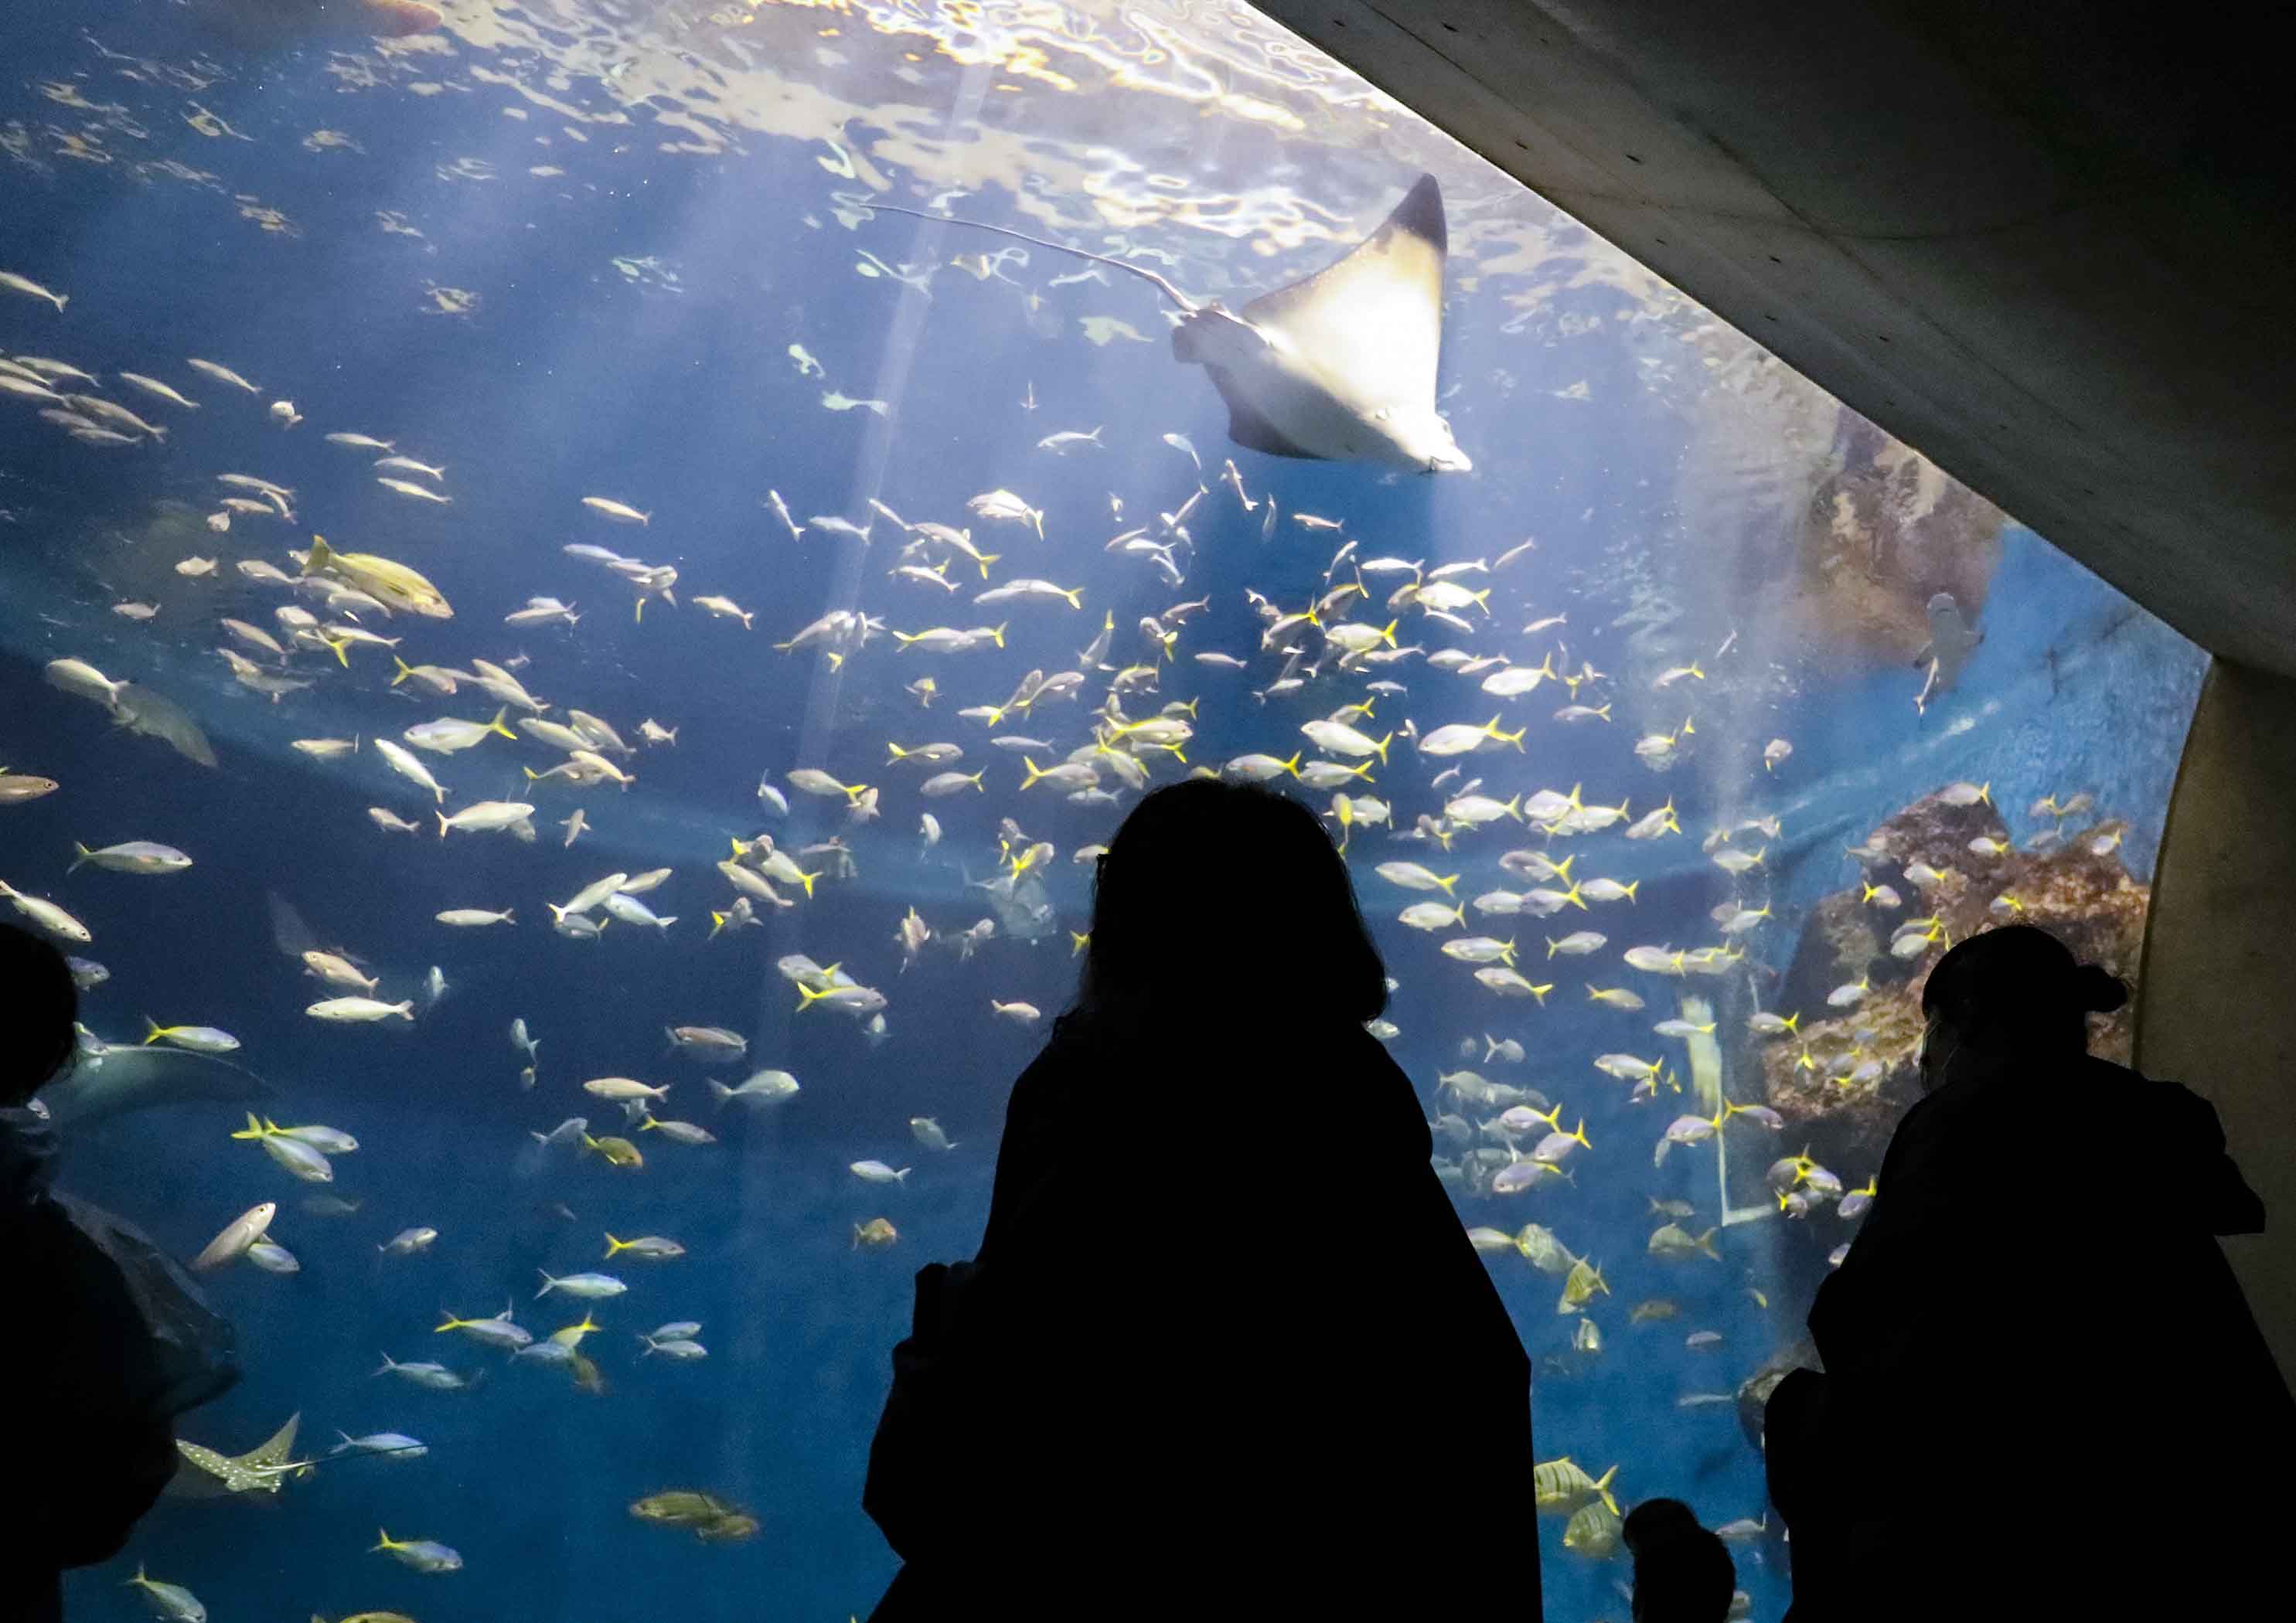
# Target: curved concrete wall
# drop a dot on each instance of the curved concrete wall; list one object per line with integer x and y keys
{"x": 2215, "y": 1013}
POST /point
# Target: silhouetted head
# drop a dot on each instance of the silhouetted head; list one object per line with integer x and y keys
{"x": 1224, "y": 899}
{"x": 2015, "y": 990}
{"x": 1683, "y": 1573}
{"x": 43, "y": 1005}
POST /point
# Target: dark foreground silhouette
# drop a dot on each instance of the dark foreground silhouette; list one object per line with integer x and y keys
{"x": 104, "y": 1341}
{"x": 2045, "y": 1394}
{"x": 1188, "y": 1376}
{"x": 1683, "y": 1572}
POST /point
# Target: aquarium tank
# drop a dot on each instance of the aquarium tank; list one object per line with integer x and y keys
{"x": 574, "y": 606}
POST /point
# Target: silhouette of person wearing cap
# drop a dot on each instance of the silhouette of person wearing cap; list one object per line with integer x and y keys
{"x": 2036, "y": 1359}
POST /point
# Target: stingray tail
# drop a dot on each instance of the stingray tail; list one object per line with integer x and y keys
{"x": 1187, "y": 306}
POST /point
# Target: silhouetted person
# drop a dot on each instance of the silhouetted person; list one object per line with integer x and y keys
{"x": 1683, "y": 1572}
{"x": 1226, "y": 1350}
{"x": 2039, "y": 1364}
{"x": 95, "y": 1359}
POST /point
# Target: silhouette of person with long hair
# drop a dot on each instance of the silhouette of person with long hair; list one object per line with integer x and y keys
{"x": 1226, "y": 1349}
{"x": 2036, "y": 1359}
{"x": 90, "y": 1389}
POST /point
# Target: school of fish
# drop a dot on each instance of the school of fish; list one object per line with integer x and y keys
{"x": 1407, "y": 704}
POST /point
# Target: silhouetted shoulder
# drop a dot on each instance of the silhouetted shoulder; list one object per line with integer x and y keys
{"x": 1389, "y": 1103}
{"x": 2172, "y": 1108}
{"x": 2191, "y": 1173}
{"x": 1141, "y": 1111}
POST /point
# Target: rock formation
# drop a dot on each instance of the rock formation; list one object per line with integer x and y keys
{"x": 2071, "y": 883}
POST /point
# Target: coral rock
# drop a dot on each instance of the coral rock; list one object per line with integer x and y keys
{"x": 2084, "y": 895}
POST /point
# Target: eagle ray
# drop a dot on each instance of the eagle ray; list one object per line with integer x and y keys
{"x": 1339, "y": 367}
{"x": 207, "y": 1474}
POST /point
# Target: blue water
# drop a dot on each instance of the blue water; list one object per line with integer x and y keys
{"x": 1668, "y": 507}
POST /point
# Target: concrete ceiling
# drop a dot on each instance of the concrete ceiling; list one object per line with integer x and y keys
{"x": 2044, "y": 243}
